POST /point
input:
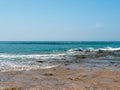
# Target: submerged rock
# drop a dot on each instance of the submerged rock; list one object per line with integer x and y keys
{"x": 48, "y": 74}
{"x": 112, "y": 62}
{"x": 76, "y": 79}
{"x": 40, "y": 61}
{"x": 101, "y": 51}
{"x": 66, "y": 64}
{"x": 80, "y": 56}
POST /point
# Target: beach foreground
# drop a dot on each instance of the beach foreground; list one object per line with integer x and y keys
{"x": 64, "y": 77}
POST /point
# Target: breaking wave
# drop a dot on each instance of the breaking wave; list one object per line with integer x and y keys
{"x": 94, "y": 52}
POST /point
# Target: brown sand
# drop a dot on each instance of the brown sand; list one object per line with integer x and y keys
{"x": 62, "y": 78}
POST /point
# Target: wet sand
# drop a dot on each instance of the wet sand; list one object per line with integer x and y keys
{"x": 64, "y": 77}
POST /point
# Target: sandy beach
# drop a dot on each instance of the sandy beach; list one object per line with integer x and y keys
{"x": 64, "y": 77}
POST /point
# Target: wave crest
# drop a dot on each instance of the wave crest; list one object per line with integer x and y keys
{"x": 95, "y": 53}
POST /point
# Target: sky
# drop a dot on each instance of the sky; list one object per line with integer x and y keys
{"x": 59, "y": 20}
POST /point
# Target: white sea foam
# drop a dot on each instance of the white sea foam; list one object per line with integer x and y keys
{"x": 32, "y": 56}
{"x": 27, "y": 62}
{"x": 17, "y": 66}
{"x": 107, "y": 49}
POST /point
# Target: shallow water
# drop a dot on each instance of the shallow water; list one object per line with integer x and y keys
{"x": 27, "y": 55}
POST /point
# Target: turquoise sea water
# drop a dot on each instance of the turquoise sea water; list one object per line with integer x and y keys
{"x": 23, "y": 55}
{"x": 35, "y": 47}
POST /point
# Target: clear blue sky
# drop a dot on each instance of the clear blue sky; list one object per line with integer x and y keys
{"x": 79, "y": 20}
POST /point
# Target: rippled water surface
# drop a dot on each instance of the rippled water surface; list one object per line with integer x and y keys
{"x": 26, "y": 55}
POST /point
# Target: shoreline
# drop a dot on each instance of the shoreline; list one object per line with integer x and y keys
{"x": 65, "y": 77}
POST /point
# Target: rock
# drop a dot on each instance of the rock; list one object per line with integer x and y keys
{"x": 80, "y": 50}
{"x": 66, "y": 64}
{"x": 80, "y": 78}
{"x": 40, "y": 61}
{"x": 68, "y": 68}
{"x": 112, "y": 62}
{"x": 13, "y": 88}
{"x": 88, "y": 51}
{"x": 80, "y": 56}
{"x": 76, "y": 79}
{"x": 54, "y": 69}
{"x": 48, "y": 74}
{"x": 101, "y": 51}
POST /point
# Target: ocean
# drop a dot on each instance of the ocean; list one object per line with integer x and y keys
{"x": 29, "y": 55}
